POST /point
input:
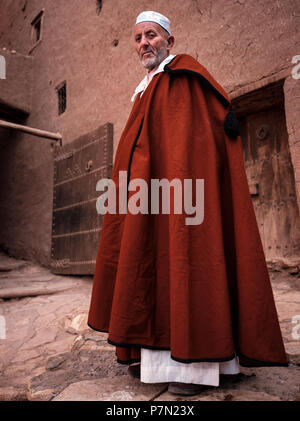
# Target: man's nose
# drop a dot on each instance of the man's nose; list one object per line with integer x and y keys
{"x": 144, "y": 42}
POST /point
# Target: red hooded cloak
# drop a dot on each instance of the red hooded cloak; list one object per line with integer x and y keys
{"x": 201, "y": 291}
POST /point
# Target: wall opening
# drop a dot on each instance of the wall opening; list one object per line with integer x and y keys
{"x": 62, "y": 97}
{"x": 269, "y": 168}
{"x": 37, "y": 29}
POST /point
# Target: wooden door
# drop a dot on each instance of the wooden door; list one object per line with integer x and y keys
{"x": 271, "y": 179}
{"x": 76, "y": 224}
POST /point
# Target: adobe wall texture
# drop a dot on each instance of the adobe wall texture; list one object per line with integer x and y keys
{"x": 239, "y": 41}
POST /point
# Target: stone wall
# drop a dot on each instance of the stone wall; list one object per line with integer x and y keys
{"x": 241, "y": 42}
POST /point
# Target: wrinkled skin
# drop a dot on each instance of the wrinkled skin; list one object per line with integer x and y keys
{"x": 152, "y": 44}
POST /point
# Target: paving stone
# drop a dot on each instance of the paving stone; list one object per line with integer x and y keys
{"x": 42, "y": 395}
{"x": 19, "y": 376}
{"x": 286, "y": 311}
{"x": 56, "y": 362}
{"x": 95, "y": 347}
{"x": 77, "y": 366}
{"x": 77, "y": 343}
{"x": 12, "y": 394}
{"x": 23, "y": 356}
{"x": 46, "y": 319}
{"x": 92, "y": 335}
{"x": 29, "y": 291}
{"x": 59, "y": 346}
{"x": 293, "y": 351}
{"x": 122, "y": 388}
{"x": 42, "y": 337}
{"x": 79, "y": 322}
{"x": 287, "y": 295}
{"x": 72, "y": 331}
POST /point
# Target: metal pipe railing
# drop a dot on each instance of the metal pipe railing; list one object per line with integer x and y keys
{"x": 31, "y": 130}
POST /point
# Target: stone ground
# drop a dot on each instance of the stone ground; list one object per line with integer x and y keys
{"x": 47, "y": 351}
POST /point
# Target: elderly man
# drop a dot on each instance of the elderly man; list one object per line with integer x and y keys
{"x": 187, "y": 301}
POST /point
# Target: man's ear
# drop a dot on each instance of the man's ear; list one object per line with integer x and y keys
{"x": 171, "y": 41}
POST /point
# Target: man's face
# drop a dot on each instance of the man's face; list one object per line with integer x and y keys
{"x": 152, "y": 43}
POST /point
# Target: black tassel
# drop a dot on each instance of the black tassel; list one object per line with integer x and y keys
{"x": 231, "y": 124}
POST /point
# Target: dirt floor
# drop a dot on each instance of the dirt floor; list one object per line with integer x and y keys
{"x": 47, "y": 351}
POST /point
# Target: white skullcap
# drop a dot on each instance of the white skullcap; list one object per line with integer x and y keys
{"x": 150, "y": 16}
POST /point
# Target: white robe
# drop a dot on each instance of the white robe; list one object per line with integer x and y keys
{"x": 158, "y": 367}
{"x": 147, "y": 79}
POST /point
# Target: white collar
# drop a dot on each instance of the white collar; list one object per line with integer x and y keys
{"x": 145, "y": 82}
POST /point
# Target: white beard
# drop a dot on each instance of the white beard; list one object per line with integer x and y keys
{"x": 151, "y": 63}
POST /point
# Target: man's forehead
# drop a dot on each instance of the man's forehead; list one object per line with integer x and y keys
{"x": 147, "y": 26}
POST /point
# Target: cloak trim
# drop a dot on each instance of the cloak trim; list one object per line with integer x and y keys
{"x": 129, "y": 362}
{"x": 98, "y": 330}
{"x": 246, "y": 361}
